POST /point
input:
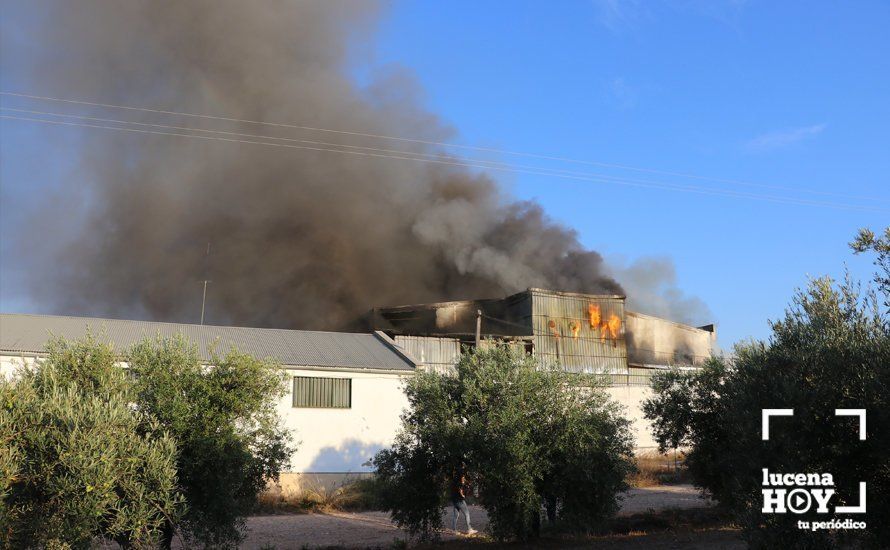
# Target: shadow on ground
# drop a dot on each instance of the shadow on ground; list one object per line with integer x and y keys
{"x": 653, "y": 517}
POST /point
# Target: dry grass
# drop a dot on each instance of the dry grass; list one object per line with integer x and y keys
{"x": 654, "y": 468}
{"x": 352, "y": 496}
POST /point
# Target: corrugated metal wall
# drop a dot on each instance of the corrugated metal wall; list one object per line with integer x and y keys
{"x": 582, "y": 333}
{"x": 655, "y": 341}
{"x": 437, "y": 354}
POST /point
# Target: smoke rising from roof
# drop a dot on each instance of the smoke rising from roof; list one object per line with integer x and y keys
{"x": 301, "y": 239}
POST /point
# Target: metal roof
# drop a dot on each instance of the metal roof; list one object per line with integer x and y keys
{"x": 28, "y": 334}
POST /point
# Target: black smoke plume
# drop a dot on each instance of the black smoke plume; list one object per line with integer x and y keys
{"x": 298, "y": 238}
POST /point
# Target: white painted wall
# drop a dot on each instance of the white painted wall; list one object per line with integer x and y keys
{"x": 331, "y": 440}
{"x": 9, "y": 364}
{"x": 631, "y": 398}
{"x": 342, "y": 440}
{"x": 339, "y": 441}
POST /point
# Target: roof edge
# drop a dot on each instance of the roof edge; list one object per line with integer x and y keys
{"x": 171, "y": 323}
{"x": 397, "y": 349}
{"x": 662, "y": 319}
{"x": 572, "y": 294}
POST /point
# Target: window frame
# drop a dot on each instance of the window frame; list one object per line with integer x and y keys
{"x": 321, "y": 392}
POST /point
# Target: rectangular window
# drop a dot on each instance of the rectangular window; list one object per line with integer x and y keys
{"x": 322, "y": 393}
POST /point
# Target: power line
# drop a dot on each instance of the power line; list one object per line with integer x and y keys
{"x": 487, "y": 164}
{"x": 263, "y": 136}
{"x": 505, "y": 168}
{"x": 425, "y": 142}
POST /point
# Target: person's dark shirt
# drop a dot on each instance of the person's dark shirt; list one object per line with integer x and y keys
{"x": 458, "y": 491}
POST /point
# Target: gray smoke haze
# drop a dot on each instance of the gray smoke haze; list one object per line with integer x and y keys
{"x": 651, "y": 286}
{"x": 300, "y": 239}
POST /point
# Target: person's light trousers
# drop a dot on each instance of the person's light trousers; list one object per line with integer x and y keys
{"x": 461, "y": 507}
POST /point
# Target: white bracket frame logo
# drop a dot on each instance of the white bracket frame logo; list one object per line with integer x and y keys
{"x": 766, "y": 414}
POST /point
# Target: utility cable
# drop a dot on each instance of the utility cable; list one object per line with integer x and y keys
{"x": 428, "y": 142}
{"x": 505, "y": 168}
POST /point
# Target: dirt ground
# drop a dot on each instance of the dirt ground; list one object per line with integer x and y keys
{"x": 374, "y": 529}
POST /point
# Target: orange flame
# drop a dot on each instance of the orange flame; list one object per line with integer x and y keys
{"x": 609, "y": 328}
{"x": 552, "y": 324}
{"x": 613, "y": 324}
{"x": 575, "y": 327}
{"x": 593, "y": 311}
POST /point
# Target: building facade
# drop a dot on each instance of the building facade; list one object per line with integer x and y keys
{"x": 584, "y": 333}
{"x": 344, "y": 390}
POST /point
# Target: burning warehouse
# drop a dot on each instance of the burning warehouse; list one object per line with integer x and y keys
{"x": 588, "y": 333}
{"x": 345, "y": 391}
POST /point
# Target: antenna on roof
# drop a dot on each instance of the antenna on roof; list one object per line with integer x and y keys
{"x": 205, "y": 281}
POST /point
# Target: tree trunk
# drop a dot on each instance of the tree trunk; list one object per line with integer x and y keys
{"x": 167, "y": 535}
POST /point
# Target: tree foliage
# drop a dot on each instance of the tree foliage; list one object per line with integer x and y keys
{"x": 867, "y": 241}
{"x": 225, "y": 425}
{"x": 77, "y": 461}
{"x": 831, "y": 350}
{"x": 668, "y": 409}
{"x": 135, "y": 453}
{"x": 526, "y": 436}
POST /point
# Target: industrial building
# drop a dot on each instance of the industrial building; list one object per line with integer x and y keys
{"x": 345, "y": 390}
{"x": 587, "y": 333}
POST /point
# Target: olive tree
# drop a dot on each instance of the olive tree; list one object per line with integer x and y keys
{"x": 866, "y": 241}
{"x": 831, "y": 350}
{"x": 77, "y": 461}
{"x": 669, "y": 408}
{"x": 527, "y": 436}
{"x": 139, "y": 446}
{"x": 228, "y": 434}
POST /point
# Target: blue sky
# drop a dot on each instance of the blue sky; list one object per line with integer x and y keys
{"x": 793, "y": 94}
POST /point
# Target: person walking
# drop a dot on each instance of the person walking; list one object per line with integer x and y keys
{"x": 459, "y": 501}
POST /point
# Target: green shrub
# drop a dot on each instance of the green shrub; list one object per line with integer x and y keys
{"x": 668, "y": 409}
{"x": 525, "y": 435}
{"x": 224, "y": 421}
{"x": 114, "y": 452}
{"x": 77, "y": 462}
{"x": 831, "y": 350}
